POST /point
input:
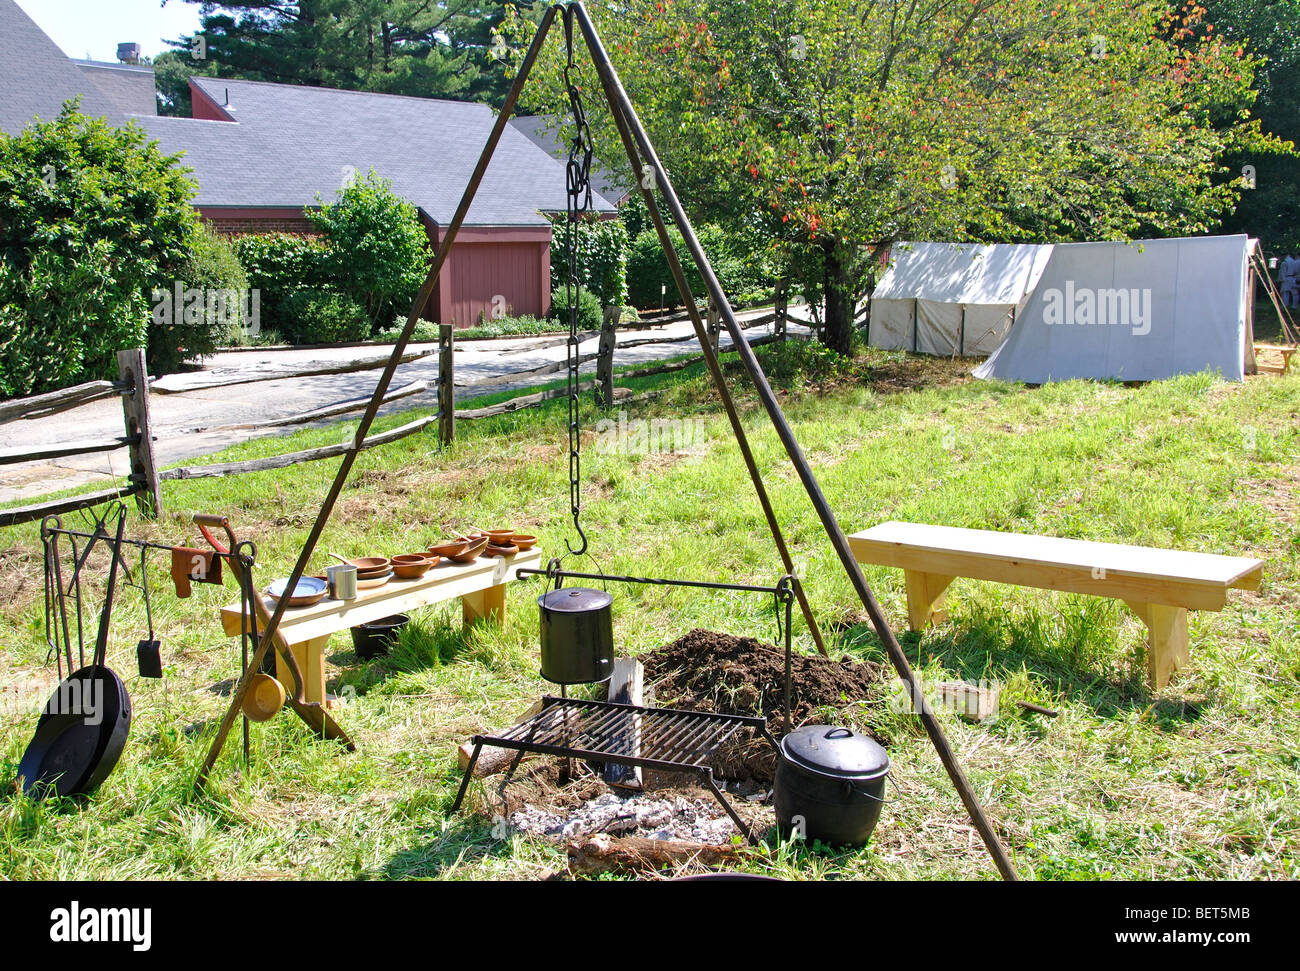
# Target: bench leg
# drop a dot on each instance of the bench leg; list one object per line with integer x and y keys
{"x": 489, "y": 604}
{"x": 1167, "y": 646}
{"x": 926, "y": 593}
{"x": 310, "y": 656}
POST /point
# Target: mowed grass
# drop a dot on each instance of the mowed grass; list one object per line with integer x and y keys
{"x": 1198, "y": 781}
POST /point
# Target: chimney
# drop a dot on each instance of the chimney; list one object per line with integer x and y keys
{"x": 128, "y": 53}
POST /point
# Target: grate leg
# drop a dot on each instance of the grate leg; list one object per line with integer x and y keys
{"x": 469, "y": 774}
{"x": 707, "y": 776}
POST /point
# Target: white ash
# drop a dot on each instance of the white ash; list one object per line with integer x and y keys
{"x": 679, "y": 819}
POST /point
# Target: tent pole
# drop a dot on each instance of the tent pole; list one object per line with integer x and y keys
{"x": 620, "y": 102}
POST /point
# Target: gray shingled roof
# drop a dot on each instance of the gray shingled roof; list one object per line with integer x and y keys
{"x": 36, "y": 77}
{"x": 130, "y": 87}
{"x": 544, "y": 131}
{"x": 290, "y": 143}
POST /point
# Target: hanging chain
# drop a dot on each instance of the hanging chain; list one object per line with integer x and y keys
{"x": 581, "y": 153}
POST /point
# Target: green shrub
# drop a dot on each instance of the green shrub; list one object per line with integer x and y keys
{"x": 591, "y": 316}
{"x": 326, "y": 317}
{"x": 92, "y": 220}
{"x": 602, "y": 246}
{"x": 648, "y": 273}
{"x": 209, "y": 306}
{"x": 744, "y": 270}
{"x": 426, "y": 332}
{"x": 278, "y": 265}
{"x": 377, "y": 251}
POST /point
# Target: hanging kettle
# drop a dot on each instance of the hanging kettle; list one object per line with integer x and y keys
{"x": 577, "y": 636}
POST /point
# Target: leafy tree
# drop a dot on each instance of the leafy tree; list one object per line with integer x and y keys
{"x": 833, "y": 128}
{"x": 92, "y": 220}
{"x": 172, "y": 71}
{"x": 1271, "y": 29}
{"x": 415, "y": 47}
{"x": 377, "y": 250}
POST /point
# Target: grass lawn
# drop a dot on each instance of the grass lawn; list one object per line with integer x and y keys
{"x": 1198, "y": 781}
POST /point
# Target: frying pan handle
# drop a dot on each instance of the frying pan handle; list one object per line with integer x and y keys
{"x": 205, "y": 520}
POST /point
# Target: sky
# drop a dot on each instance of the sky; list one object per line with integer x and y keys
{"x": 94, "y": 28}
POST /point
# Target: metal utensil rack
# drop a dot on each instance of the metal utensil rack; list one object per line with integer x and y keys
{"x": 601, "y": 731}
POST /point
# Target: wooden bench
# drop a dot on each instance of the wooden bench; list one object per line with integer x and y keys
{"x": 1160, "y": 586}
{"x": 481, "y": 587}
{"x": 1286, "y": 353}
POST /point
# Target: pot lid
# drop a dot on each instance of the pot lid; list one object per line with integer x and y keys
{"x": 575, "y": 601}
{"x": 836, "y": 752}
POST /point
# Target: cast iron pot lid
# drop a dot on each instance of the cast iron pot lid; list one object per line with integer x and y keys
{"x": 575, "y": 601}
{"x": 836, "y": 752}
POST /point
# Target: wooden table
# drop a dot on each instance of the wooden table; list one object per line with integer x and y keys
{"x": 481, "y": 587}
{"x": 1160, "y": 586}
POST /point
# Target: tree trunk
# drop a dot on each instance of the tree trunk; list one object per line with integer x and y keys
{"x": 839, "y": 298}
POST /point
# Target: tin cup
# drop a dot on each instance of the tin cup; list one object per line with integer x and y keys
{"x": 343, "y": 582}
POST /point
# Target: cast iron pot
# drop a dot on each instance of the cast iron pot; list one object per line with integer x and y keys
{"x": 374, "y": 639}
{"x": 577, "y": 636}
{"x": 833, "y": 781}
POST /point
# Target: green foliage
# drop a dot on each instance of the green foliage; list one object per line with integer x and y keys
{"x": 377, "y": 251}
{"x": 326, "y": 317}
{"x": 590, "y": 314}
{"x": 396, "y": 46}
{"x": 743, "y": 271}
{"x": 648, "y": 277}
{"x": 838, "y": 125}
{"x": 1271, "y": 209}
{"x": 172, "y": 71}
{"x": 602, "y": 246}
{"x": 426, "y": 332}
{"x": 218, "y": 307}
{"x": 278, "y": 265}
{"x": 94, "y": 218}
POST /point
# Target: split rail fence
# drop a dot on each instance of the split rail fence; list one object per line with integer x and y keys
{"x": 144, "y": 482}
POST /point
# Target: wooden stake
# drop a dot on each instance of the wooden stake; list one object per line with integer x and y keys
{"x": 135, "y": 412}
{"x": 446, "y": 385}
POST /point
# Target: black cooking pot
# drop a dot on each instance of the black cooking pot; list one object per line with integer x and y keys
{"x": 374, "y": 639}
{"x": 577, "y": 636}
{"x": 830, "y": 785}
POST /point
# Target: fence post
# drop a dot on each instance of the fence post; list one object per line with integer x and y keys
{"x": 605, "y": 362}
{"x": 135, "y": 412}
{"x": 714, "y": 327}
{"x": 446, "y": 385}
{"x": 782, "y": 309}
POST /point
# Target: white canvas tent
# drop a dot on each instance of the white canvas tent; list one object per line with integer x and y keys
{"x": 953, "y": 299}
{"x": 1139, "y": 311}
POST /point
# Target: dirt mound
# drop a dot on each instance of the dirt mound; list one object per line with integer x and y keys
{"x": 708, "y": 671}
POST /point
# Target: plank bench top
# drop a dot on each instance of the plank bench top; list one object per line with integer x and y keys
{"x": 1195, "y": 581}
{"x": 1160, "y": 586}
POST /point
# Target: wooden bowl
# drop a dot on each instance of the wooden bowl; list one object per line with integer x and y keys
{"x": 450, "y": 548}
{"x": 265, "y": 698}
{"x": 525, "y": 543}
{"x": 374, "y": 583}
{"x": 471, "y": 552}
{"x": 414, "y": 566}
{"x": 501, "y": 537}
{"x": 370, "y": 566}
